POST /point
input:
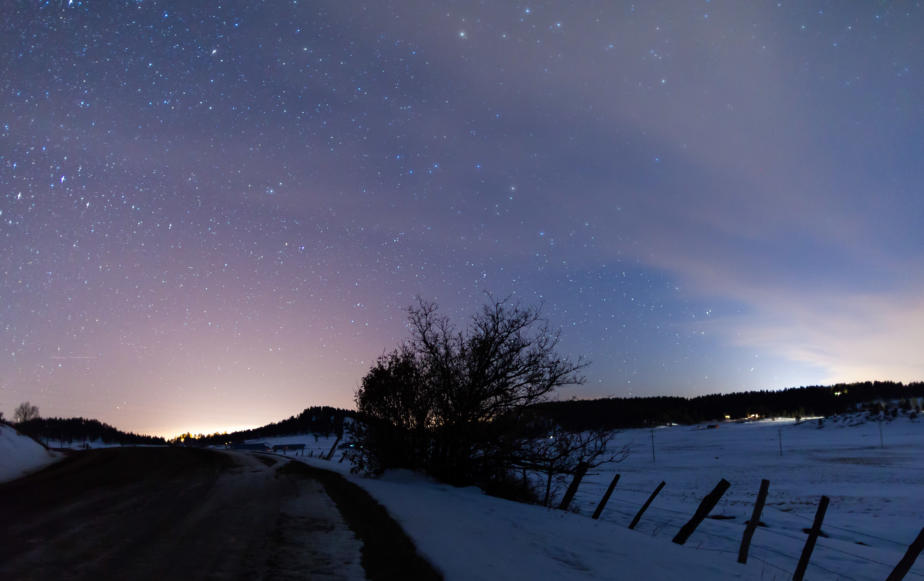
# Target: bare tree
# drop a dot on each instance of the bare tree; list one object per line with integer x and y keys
{"x": 557, "y": 453}
{"x": 506, "y": 360}
{"x": 25, "y": 412}
{"x": 466, "y": 390}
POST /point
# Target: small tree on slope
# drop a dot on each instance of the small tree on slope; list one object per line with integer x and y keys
{"x": 452, "y": 399}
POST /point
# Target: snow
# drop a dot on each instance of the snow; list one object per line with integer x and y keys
{"x": 876, "y": 489}
{"x": 876, "y": 509}
{"x": 80, "y": 444}
{"x": 876, "y": 493}
{"x": 20, "y": 455}
{"x": 471, "y": 536}
{"x": 316, "y": 445}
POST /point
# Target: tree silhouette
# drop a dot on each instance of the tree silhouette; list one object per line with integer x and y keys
{"x": 451, "y": 402}
{"x": 25, "y": 412}
{"x": 556, "y": 452}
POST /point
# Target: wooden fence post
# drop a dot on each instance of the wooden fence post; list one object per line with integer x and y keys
{"x": 702, "y": 512}
{"x": 606, "y": 498}
{"x": 641, "y": 511}
{"x": 810, "y": 542}
{"x": 755, "y": 519}
{"x": 908, "y": 560}
{"x": 579, "y": 473}
{"x": 333, "y": 449}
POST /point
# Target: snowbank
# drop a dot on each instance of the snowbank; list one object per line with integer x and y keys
{"x": 871, "y": 471}
{"x": 20, "y": 455}
{"x": 471, "y": 536}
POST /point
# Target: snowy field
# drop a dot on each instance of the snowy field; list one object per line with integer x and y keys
{"x": 877, "y": 493}
{"x": 20, "y": 455}
{"x": 315, "y": 445}
{"x": 79, "y": 444}
{"x": 876, "y": 509}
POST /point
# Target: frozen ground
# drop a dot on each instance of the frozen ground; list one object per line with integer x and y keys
{"x": 173, "y": 513}
{"x": 876, "y": 510}
{"x": 877, "y": 493}
{"x": 20, "y": 455}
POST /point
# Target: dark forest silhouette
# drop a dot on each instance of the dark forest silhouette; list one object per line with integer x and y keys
{"x": 574, "y": 415}
{"x": 313, "y": 420}
{"x": 69, "y": 431}
{"x": 794, "y": 402}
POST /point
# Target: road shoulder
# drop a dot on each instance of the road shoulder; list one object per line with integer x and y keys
{"x": 387, "y": 552}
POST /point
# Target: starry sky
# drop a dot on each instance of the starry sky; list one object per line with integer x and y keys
{"x": 214, "y": 214}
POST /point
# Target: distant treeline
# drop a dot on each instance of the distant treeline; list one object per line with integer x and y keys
{"x": 76, "y": 430}
{"x": 578, "y": 415}
{"x": 318, "y": 420}
{"x": 636, "y": 412}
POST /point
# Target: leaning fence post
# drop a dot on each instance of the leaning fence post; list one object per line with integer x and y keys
{"x": 606, "y": 498}
{"x": 579, "y": 473}
{"x": 333, "y": 449}
{"x": 702, "y": 512}
{"x": 752, "y": 524}
{"x": 810, "y": 542}
{"x": 908, "y": 560}
{"x": 641, "y": 511}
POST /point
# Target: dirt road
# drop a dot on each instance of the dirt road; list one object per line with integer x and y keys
{"x": 176, "y": 513}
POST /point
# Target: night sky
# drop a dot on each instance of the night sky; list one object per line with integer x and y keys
{"x": 214, "y": 214}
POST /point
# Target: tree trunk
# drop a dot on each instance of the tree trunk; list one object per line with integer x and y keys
{"x": 548, "y": 489}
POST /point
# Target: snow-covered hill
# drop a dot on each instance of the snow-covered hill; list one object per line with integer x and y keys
{"x": 20, "y": 454}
